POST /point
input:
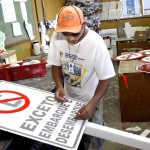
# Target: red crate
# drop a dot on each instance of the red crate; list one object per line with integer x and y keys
{"x": 5, "y": 73}
{"x": 22, "y": 72}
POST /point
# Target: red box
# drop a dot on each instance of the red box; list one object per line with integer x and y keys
{"x": 4, "y": 72}
{"x": 22, "y": 72}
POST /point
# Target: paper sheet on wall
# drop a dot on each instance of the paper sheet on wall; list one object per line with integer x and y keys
{"x": 146, "y": 7}
{"x": 2, "y": 40}
{"x": 131, "y": 8}
{"x": 111, "y": 10}
{"x": 9, "y": 16}
{"x": 115, "y": 10}
{"x": 23, "y": 10}
{"x": 16, "y": 29}
{"x": 29, "y": 30}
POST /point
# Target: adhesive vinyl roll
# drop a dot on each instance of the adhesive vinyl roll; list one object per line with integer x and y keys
{"x": 36, "y": 48}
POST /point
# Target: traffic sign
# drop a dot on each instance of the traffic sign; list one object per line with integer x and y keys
{"x": 35, "y": 114}
{"x": 18, "y": 97}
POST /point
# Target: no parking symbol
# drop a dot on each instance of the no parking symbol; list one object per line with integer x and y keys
{"x": 15, "y": 100}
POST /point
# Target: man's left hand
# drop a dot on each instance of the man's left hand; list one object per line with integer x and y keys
{"x": 85, "y": 112}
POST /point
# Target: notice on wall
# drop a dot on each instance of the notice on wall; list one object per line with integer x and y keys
{"x": 111, "y": 10}
{"x": 146, "y": 7}
{"x": 131, "y": 8}
{"x": 16, "y": 29}
{"x": 8, "y": 11}
{"x": 35, "y": 114}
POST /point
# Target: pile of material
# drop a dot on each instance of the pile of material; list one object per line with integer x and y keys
{"x": 91, "y": 10}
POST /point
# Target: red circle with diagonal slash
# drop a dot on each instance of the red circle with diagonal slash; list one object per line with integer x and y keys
{"x": 20, "y": 97}
{"x": 129, "y": 56}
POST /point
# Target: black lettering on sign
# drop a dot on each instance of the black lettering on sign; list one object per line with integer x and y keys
{"x": 54, "y": 120}
{"x": 61, "y": 140}
{"x": 45, "y": 135}
{"x": 37, "y": 115}
{"x": 67, "y": 128}
{"x": 50, "y": 98}
{"x": 57, "y": 115}
{"x": 66, "y": 131}
{"x": 48, "y": 130}
{"x": 28, "y": 126}
{"x": 62, "y": 108}
{"x": 63, "y": 135}
{"x": 70, "y": 121}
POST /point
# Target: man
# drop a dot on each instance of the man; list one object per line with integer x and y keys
{"x": 81, "y": 66}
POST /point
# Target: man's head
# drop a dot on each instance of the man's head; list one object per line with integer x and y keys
{"x": 70, "y": 19}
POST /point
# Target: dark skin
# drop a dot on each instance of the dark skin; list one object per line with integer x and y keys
{"x": 86, "y": 112}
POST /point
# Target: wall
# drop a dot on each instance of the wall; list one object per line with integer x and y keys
{"x": 141, "y": 21}
{"x": 23, "y": 50}
{"x": 134, "y": 22}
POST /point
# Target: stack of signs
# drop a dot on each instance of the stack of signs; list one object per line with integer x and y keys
{"x": 143, "y": 68}
{"x": 146, "y": 52}
{"x": 35, "y": 114}
{"x": 147, "y": 58}
{"x": 129, "y": 56}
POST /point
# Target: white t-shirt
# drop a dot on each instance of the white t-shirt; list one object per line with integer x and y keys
{"x": 83, "y": 64}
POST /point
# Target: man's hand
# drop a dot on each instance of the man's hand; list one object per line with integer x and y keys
{"x": 86, "y": 112}
{"x": 60, "y": 95}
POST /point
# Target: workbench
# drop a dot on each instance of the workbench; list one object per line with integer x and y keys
{"x": 134, "y": 99}
{"x": 128, "y": 45}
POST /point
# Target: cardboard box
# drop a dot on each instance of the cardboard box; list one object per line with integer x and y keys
{"x": 140, "y": 35}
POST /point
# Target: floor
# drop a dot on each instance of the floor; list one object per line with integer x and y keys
{"x": 112, "y": 115}
{"x": 111, "y": 108}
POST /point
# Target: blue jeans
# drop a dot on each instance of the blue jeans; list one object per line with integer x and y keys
{"x": 90, "y": 142}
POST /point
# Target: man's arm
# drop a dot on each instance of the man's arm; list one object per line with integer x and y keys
{"x": 58, "y": 79}
{"x": 86, "y": 112}
{"x": 99, "y": 92}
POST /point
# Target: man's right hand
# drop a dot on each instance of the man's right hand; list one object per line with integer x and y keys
{"x": 60, "y": 95}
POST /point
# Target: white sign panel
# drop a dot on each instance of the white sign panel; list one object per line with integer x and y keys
{"x": 8, "y": 9}
{"x": 35, "y": 114}
{"x": 146, "y": 7}
{"x": 16, "y": 29}
{"x": 131, "y": 8}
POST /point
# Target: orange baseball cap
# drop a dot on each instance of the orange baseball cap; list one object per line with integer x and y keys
{"x": 70, "y": 19}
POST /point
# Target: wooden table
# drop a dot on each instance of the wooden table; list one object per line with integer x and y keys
{"x": 134, "y": 100}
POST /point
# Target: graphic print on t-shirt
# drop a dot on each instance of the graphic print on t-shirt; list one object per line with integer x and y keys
{"x": 73, "y": 73}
